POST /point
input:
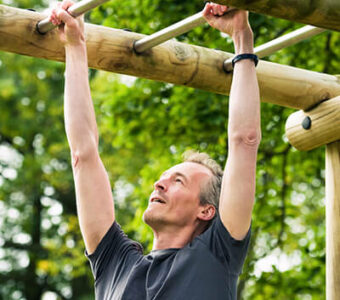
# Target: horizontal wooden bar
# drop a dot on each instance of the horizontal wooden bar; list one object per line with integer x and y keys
{"x": 178, "y": 63}
{"x": 307, "y": 130}
{"x": 320, "y": 13}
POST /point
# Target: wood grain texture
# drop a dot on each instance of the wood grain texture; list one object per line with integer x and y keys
{"x": 324, "y": 130}
{"x": 178, "y": 63}
{"x": 320, "y": 13}
{"x": 333, "y": 221}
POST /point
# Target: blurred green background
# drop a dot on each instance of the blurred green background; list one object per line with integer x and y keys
{"x": 144, "y": 127}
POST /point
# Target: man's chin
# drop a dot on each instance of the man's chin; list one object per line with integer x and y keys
{"x": 148, "y": 216}
{"x": 152, "y": 219}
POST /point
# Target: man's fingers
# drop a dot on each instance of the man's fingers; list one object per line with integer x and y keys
{"x": 64, "y": 16}
{"x": 210, "y": 10}
{"x": 53, "y": 17}
{"x": 59, "y": 12}
{"x": 214, "y": 10}
{"x": 206, "y": 10}
{"x": 217, "y": 9}
{"x": 66, "y": 4}
{"x": 222, "y": 9}
{"x": 55, "y": 21}
{"x": 207, "y": 13}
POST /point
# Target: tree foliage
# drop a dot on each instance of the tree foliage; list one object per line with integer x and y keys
{"x": 144, "y": 127}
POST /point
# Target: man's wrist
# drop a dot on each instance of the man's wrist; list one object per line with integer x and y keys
{"x": 243, "y": 41}
{"x": 81, "y": 46}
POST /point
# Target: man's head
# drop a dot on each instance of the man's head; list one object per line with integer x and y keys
{"x": 186, "y": 195}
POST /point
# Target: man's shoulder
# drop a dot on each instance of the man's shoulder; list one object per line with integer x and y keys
{"x": 217, "y": 235}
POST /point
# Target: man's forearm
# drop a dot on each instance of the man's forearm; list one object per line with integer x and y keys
{"x": 244, "y": 102}
{"x": 80, "y": 122}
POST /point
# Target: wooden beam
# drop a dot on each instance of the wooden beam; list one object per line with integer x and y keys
{"x": 333, "y": 221}
{"x": 179, "y": 63}
{"x": 308, "y": 130}
{"x": 320, "y": 13}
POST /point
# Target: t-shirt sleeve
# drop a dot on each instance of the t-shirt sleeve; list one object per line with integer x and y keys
{"x": 115, "y": 251}
{"x": 227, "y": 249}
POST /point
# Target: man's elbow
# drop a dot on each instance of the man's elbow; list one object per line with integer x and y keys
{"x": 85, "y": 153}
{"x": 250, "y": 138}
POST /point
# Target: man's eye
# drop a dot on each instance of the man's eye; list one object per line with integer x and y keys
{"x": 178, "y": 180}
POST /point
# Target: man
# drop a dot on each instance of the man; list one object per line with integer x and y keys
{"x": 199, "y": 245}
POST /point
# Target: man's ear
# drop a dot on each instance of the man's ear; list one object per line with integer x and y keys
{"x": 207, "y": 212}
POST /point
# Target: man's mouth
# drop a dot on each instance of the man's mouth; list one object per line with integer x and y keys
{"x": 157, "y": 200}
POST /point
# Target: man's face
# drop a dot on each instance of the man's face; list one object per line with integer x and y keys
{"x": 175, "y": 199}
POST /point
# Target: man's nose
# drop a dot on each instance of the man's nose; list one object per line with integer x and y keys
{"x": 160, "y": 185}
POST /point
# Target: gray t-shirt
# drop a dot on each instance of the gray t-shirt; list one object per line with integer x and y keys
{"x": 206, "y": 268}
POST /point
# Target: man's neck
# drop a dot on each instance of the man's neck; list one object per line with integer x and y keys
{"x": 174, "y": 237}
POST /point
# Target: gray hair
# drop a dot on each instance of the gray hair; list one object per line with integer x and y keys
{"x": 210, "y": 192}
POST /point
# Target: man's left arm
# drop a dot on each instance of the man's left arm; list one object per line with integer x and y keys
{"x": 244, "y": 129}
{"x": 244, "y": 135}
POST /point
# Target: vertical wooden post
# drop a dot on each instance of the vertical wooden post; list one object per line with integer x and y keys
{"x": 333, "y": 221}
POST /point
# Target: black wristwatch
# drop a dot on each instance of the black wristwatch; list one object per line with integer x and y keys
{"x": 245, "y": 56}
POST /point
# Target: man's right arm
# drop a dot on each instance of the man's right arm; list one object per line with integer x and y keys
{"x": 93, "y": 192}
